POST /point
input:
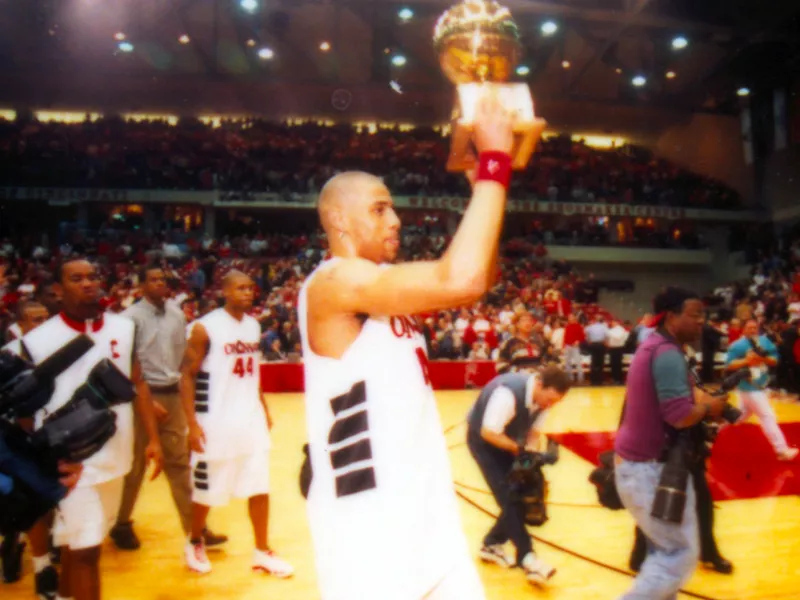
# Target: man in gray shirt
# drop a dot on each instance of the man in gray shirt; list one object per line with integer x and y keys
{"x": 160, "y": 342}
{"x": 596, "y": 336}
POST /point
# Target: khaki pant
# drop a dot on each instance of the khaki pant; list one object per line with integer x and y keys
{"x": 173, "y": 434}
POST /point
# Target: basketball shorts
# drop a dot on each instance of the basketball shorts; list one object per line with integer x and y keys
{"x": 462, "y": 583}
{"x": 215, "y": 482}
{"x": 86, "y": 516}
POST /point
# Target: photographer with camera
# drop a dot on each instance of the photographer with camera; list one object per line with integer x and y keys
{"x": 758, "y": 354}
{"x": 86, "y": 516}
{"x": 505, "y": 421}
{"x": 661, "y": 402}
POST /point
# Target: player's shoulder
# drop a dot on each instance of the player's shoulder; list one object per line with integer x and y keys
{"x": 341, "y": 272}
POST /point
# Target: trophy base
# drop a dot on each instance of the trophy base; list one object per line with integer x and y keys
{"x": 528, "y": 129}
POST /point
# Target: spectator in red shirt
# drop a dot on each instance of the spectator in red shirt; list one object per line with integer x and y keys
{"x": 574, "y": 336}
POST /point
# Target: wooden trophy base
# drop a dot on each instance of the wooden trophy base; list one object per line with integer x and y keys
{"x": 516, "y": 97}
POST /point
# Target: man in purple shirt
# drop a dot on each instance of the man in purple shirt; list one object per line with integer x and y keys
{"x": 661, "y": 398}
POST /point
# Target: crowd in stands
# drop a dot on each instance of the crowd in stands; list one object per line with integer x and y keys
{"x": 539, "y": 310}
{"x": 259, "y": 156}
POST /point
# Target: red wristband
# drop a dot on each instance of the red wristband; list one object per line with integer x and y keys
{"x": 494, "y": 166}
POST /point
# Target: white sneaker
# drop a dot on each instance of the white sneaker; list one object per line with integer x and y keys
{"x": 270, "y": 563}
{"x": 196, "y": 557}
{"x": 536, "y": 571}
{"x": 789, "y": 454}
{"x": 495, "y": 554}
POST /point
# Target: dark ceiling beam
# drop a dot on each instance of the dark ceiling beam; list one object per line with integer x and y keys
{"x": 520, "y": 7}
{"x": 635, "y": 10}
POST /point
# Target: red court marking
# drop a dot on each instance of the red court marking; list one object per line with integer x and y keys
{"x": 742, "y": 463}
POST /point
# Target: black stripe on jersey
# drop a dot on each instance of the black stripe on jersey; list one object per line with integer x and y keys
{"x": 203, "y": 376}
{"x": 201, "y": 408}
{"x": 357, "y": 395}
{"x": 355, "y": 482}
{"x": 201, "y": 386}
{"x": 201, "y": 476}
{"x": 342, "y": 457}
{"x": 348, "y": 427}
{"x": 201, "y": 466}
{"x": 201, "y": 485}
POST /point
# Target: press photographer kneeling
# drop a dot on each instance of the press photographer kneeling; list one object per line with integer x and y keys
{"x": 661, "y": 407}
{"x": 503, "y": 438}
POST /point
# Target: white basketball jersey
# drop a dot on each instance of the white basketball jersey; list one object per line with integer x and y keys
{"x": 228, "y": 388}
{"x": 381, "y": 505}
{"x": 113, "y": 339}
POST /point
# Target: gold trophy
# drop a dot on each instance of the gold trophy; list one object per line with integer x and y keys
{"x": 479, "y": 47}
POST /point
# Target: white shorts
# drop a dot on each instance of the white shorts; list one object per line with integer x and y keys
{"x": 86, "y": 516}
{"x": 462, "y": 583}
{"x": 215, "y": 482}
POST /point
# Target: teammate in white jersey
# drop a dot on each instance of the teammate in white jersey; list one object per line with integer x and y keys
{"x": 85, "y": 517}
{"x": 383, "y": 513}
{"x": 229, "y": 422}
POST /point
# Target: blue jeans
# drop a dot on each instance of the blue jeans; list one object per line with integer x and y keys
{"x": 672, "y": 550}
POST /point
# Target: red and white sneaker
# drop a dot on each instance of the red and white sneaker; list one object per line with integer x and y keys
{"x": 196, "y": 557}
{"x": 789, "y": 454}
{"x": 270, "y": 563}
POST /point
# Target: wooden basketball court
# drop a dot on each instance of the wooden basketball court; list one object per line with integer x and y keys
{"x": 758, "y": 526}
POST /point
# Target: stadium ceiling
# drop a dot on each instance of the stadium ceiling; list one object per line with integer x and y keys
{"x": 599, "y": 48}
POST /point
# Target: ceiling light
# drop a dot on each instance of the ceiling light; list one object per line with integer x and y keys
{"x": 566, "y": 64}
{"x": 523, "y": 70}
{"x": 265, "y": 53}
{"x": 251, "y": 42}
{"x": 743, "y": 91}
{"x": 125, "y": 47}
{"x": 396, "y": 87}
{"x": 671, "y": 75}
{"x": 249, "y": 5}
{"x": 549, "y": 27}
{"x": 119, "y": 36}
{"x": 679, "y": 43}
{"x": 639, "y": 80}
{"x": 184, "y": 39}
{"x": 406, "y": 14}
{"x": 325, "y": 46}
{"x": 618, "y": 71}
{"x": 398, "y": 60}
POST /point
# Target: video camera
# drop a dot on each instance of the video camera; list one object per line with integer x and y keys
{"x": 670, "y": 498}
{"x": 528, "y": 484}
{"x": 73, "y": 433}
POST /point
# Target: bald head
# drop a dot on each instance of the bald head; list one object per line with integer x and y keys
{"x": 342, "y": 192}
{"x": 235, "y": 278}
{"x": 357, "y": 214}
{"x": 239, "y": 292}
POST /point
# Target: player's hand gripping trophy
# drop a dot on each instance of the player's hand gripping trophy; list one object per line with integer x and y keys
{"x": 479, "y": 47}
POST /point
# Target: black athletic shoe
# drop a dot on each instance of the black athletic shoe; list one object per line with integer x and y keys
{"x": 212, "y": 539}
{"x": 719, "y": 564}
{"x": 47, "y": 583}
{"x": 11, "y": 557}
{"x": 124, "y": 537}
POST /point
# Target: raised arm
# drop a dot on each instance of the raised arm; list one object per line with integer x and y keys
{"x": 196, "y": 349}
{"x": 465, "y": 272}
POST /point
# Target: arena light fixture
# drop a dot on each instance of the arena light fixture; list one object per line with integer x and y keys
{"x": 184, "y": 39}
{"x": 618, "y": 71}
{"x": 251, "y": 43}
{"x": 250, "y": 6}
{"x": 398, "y": 60}
{"x": 119, "y": 36}
{"x": 549, "y": 28}
{"x": 679, "y": 42}
{"x": 671, "y": 75}
{"x": 639, "y": 80}
{"x": 325, "y": 46}
{"x": 565, "y": 64}
{"x": 125, "y": 47}
{"x": 523, "y": 70}
{"x": 266, "y": 53}
{"x": 405, "y": 14}
{"x": 743, "y": 92}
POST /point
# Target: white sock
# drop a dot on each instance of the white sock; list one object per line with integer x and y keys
{"x": 40, "y": 563}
